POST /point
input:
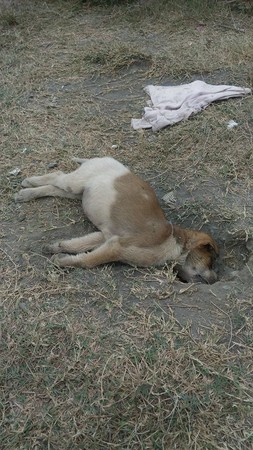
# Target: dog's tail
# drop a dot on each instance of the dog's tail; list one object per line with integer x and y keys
{"x": 79, "y": 160}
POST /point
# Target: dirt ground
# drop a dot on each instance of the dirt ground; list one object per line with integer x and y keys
{"x": 72, "y": 78}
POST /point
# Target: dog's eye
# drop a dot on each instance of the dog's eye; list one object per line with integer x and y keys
{"x": 212, "y": 249}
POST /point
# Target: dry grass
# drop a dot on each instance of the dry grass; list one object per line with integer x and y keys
{"x": 144, "y": 382}
{"x": 118, "y": 357}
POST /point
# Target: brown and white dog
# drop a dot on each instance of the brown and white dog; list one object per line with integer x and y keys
{"x": 133, "y": 227}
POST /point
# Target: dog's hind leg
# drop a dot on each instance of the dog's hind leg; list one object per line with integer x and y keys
{"x": 73, "y": 182}
{"x": 77, "y": 245}
{"x": 41, "y": 180}
{"x": 25, "y": 195}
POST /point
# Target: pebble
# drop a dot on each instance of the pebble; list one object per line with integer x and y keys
{"x": 15, "y": 171}
{"x": 52, "y": 165}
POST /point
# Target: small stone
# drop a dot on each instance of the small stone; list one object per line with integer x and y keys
{"x": 52, "y": 165}
{"x": 15, "y": 171}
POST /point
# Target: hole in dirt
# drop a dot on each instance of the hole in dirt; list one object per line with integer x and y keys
{"x": 235, "y": 253}
{"x": 195, "y": 280}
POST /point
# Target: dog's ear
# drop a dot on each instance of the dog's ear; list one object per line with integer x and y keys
{"x": 212, "y": 246}
{"x": 202, "y": 240}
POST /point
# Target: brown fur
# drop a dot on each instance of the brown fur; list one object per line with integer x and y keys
{"x": 133, "y": 227}
{"x": 137, "y": 200}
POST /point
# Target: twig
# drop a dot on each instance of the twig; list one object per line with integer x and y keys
{"x": 234, "y": 28}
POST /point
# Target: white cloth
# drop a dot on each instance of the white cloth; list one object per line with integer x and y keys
{"x": 171, "y": 104}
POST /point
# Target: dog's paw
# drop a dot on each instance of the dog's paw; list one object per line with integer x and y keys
{"x": 59, "y": 259}
{"x": 55, "y": 247}
{"x": 22, "y": 196}
{"x": 26, "y": 183}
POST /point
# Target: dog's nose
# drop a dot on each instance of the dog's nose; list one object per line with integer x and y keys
{"x": 213, "y": 277}
{"x": 208, "y": 277}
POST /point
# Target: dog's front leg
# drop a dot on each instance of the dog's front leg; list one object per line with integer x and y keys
{"x": 110, "y": 251}
{"x": 76, "y": 245}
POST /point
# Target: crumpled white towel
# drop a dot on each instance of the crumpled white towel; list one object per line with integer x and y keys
{"x": 171, "y": 104}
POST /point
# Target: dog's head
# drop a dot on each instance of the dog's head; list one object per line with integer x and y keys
{"x": 202, "y": 251}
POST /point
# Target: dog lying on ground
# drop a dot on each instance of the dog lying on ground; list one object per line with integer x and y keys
{"x": 133, "y": 227}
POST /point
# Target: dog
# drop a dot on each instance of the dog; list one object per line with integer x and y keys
{"x": 132, "y": 226}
